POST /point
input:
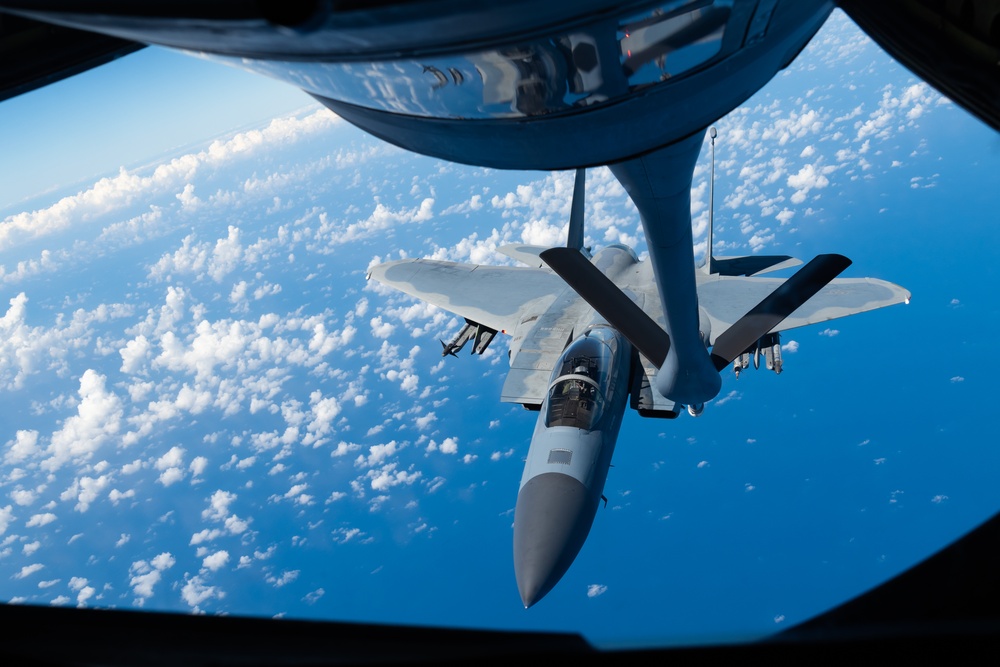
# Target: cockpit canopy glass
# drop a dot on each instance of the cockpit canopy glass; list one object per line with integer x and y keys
{"x": 577, "y": 396}
{"x": 576, "y": 402}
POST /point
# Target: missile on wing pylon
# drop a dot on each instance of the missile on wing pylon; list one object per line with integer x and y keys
{"x": 481, "y": 335}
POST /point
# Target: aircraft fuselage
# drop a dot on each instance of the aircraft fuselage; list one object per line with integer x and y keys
{"x": 568, "y": 460}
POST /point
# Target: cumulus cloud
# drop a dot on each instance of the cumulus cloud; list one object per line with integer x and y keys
{"x": 218, "y": 505}
{"x": 332, "y": 233}
{"x": 171, "y": 466}
{"x": 198, "y": 465}
{"x": 40, "y": 519}
{"x": 6, "y": 518}
{"x": 134, "y": 354}
{"x": 388, "y": 476}
{"x": 23, "y": 446}
{"x": 214, "y": 260}
{"x": 791, "y": 347}
{"x": 448, "y": 446}
{"x": 424, "y": 421}
{"x": 22, "y": 497}
{"x": 380, "y": 328}
{"x": 196, "y": 592}
{"x": 378, "y": 454}
{"x": 85, "y": 490}
{"x": 216, "y": 560}
{"x": 127, "y": 187}
{"x": 218, "y": 512}
{"x": 808, "y": 178}
{"x": 98, "y": 418}
{"x": 25, "y": 349}
{"x": 145, "y": 575}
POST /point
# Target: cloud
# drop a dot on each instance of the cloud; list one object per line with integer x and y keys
{"x": 380, "y": 328}
{"x": 6, "y": 518}
{"x": 314, "y": 596}
{"x": 213, "y": 260}
{"x": 216, "y": 560}
{"x": 134, "y": 354}
{"x": 128, "y": 187}
{"x": 332, "y": 234}
{"x": 425, "y": 421}
{"x": 387, "y": 477}
{"x": 25, "y": 349}
{"x": 344, "y": 535}
{"x": 84, "y": 592}
{"x": 171, "y": 464}
{"x": 377, "y": 454}
{"x": 198, "y": 465}
{"x": 28, "y": 570}
{"x": 218, "y": 505}
{"x": 323, "y": 410}
{"x": 116, "y": 496}
{"x": 85, "y": 490}
{"x": 449, "y": 446}
{"x": 40, "y": 519}
{"x": 22, "y": 447}
{"x": 98, "y": 418}
{"x": 807, "y": 179}
{"x": 195, "y": 592}
{"x": 287, "y": 577}
{"x": 145, "y": 575}
{"x": 218, "y": 512}
{"x": 23, "y": 497}
{"x": 595, "y": 590}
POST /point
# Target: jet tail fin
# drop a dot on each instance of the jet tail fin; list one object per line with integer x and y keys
{"x": 574, "y": 238}
{"x": 709, "y": 267}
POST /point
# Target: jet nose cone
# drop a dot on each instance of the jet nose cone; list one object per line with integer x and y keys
{"x": 551, "y": 520}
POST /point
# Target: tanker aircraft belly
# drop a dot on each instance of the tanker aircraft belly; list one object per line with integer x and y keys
{"x": 590, "y": 335}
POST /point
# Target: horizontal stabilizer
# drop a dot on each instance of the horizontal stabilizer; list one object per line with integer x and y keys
{"x": 778, "y": 305}
{"x": 752, "y": 265}
{"x": 607, "y": 299}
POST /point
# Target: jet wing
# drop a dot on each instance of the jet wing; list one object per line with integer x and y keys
{"x": 726, "y": 299}
{"x": 490, "y": 295}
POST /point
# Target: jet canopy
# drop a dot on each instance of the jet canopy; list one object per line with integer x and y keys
{"x": 578, "y": 391}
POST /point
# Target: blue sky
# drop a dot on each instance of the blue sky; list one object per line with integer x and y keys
{"x": 127, "y": 113}
{"x": 208, "y": 409}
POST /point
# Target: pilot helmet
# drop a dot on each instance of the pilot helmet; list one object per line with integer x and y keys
{"x": 580, "y": 370}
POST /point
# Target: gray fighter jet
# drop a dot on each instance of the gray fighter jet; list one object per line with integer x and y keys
{"x": 592, "y": 334}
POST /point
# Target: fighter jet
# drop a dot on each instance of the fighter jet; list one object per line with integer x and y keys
{"x": 593, "y": 334}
